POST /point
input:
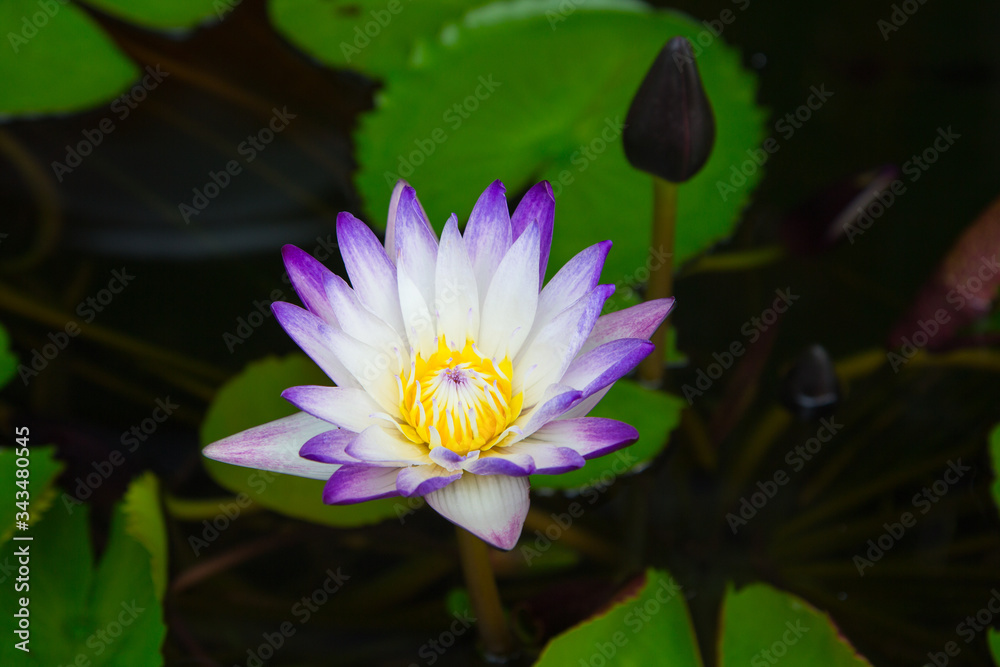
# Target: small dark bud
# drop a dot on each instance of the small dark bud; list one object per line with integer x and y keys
{"x": 811, "y": 389}
{"x": 669, "y": 129}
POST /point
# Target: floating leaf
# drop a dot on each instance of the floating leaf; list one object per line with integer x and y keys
{"x": 78, "y": 615}
{"x": 43, "y": 469}
{"x": 144, "y": 523}
{"x": 254, "y": 397}
{"x": 650, "y": 628}
{"x": 371, "y": 36}
{"x": 759, "y": 625}
{"x": 57, "y": 59}
{"x": 759, "y": 621}
{"x": 160, "y": 14}
{"x": 993, "y": 638}
{"x": 526, "y": 91}
{"x": 654, "y": 414}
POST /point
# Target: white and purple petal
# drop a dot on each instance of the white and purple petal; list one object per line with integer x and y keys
{"x": 390, "y": 225}
{"x": 556, "y": 400}
{"x": 330, "y": 447}
{"x": 449, "y": 460}
{"x": 537, "y": 206}
{"x": 502, "y": 461}
{"x": 313, "y": 335}
{"x": 488, "y": 234}
{"x": 545, "y": 358}
{"x": 546, "y": 458}
{"x": 421, "y": 480}
{"x": 275, "y": 447}
{"x": 636, "y": 322}
{"x": 605, "y": 364}
{"x": 358, "y": 483}
{"x": 589, "y": 436}
{"x": 491, "y": 507}
{"x": 583, "y": 407}
{"x": 578, "y": 277}
{"x": 310, "y": 279}
{"x": 416, "y": 244}
{"x": 358, "y": 321}
{"x": 369, "y": 268}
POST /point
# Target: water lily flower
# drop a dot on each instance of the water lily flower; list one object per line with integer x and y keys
{"x": 456, "y": 376}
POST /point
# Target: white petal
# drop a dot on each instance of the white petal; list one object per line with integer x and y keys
{"x": 377, "y": 445}
{"x": 359, "y": 322}
{"x": 373, "y": 369}
{"x": 509, "y": 307}
{"x": 456, "y": 295}
{"x": 347, "y": 407}
{"x": 275, "y": 447}
{"x": 421, "y": 331}
{"x": 492, "y": 507}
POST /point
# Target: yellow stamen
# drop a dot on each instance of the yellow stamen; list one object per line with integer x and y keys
{"x": 457, "y": 399}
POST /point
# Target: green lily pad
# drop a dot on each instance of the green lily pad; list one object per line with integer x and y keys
{"x": 370, "y": 36}
{"x": 993, "y": 638}
{"x": 254, "y": 397}
{"x": 650, "y": 628}
{"x": 528, "y": 91}
{"x": 111, "y": 615}
{"x": 653, "y": 413}
{"x": 57, "y": 59}
{"x": 144, "y": 523}
{"x": 166, "y": 15}
{"x": 40, "y": 490}
{"x": 761, "y": 625}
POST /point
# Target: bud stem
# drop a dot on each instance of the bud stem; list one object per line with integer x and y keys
{"x": 497, "y": 640}
{"x": 661, "y": 274}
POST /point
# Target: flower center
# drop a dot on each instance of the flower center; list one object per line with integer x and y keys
{"x": 457, "y": 399}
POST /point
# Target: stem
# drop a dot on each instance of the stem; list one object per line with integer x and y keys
{"x": 661, "y": 274}
{"x": 739, "y": 260}
{"x": 493, "y": 629}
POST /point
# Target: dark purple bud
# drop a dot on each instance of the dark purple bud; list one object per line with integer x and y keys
{"x": 811, "y": 389}
{"x": 669, "y": 129}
